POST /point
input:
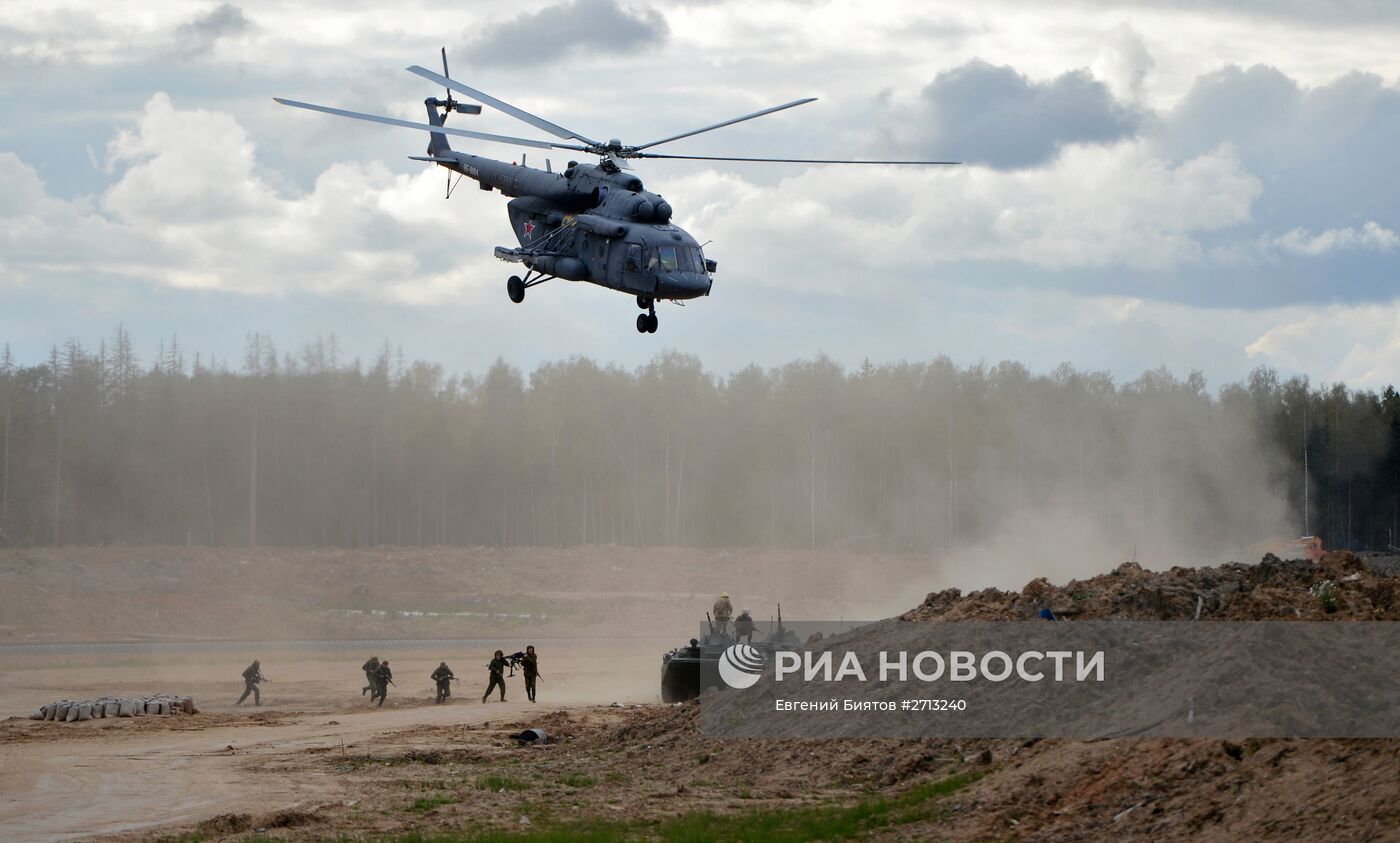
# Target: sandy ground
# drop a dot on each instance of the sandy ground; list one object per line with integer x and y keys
{"x": 100, "y": 777}
{"x": 314, "y": 762}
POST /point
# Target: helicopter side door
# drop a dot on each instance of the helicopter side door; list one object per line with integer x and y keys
{"x": 635, "y": 277}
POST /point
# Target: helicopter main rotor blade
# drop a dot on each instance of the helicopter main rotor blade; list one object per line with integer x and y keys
{"x": 519, "y": 114}
{"x": 441, "y": 130}
{"x": 711, "y": 128}
{"x": 788, "y": 160}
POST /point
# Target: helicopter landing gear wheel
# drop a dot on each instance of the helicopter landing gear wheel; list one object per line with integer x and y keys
{"x": 646, "y": 323}
{"x": 515, "y": 288}
{"x": 644, "y": 302}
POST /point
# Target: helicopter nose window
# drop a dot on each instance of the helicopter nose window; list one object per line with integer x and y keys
{"x": 687, "y": 265}
{"x": 668, "y": 258}
{"x": 652, "y": 262}
{"x": 634, "y": 258}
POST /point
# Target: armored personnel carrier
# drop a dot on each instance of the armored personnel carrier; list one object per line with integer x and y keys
{"x": 689, "y": 670}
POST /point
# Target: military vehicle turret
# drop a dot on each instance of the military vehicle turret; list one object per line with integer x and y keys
{"x": 688, "y": 671}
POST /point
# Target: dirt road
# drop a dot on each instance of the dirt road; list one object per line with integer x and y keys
{"x": 61, "y": 781}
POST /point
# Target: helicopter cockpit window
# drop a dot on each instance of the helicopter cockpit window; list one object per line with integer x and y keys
{"x": 668, "y": 258}
{"x": 634, "y": 258}
{"x": 686, "y": 262}
{"x": 699, "y": 258}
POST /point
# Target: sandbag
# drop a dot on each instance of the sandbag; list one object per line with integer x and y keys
{"x": 85, "y": 711}
{"x": 38, "y": 715}
{"x": 62, "y": 714}
{"x": 126, "y": 708}
{"x": 187, "y": 705}
{"x": 72, "y": 715}
{"x": 111, "y": 708}
{"x": 138, "y": 707}
{"x": 51, "y": 711}
{"x": 153, "y": 707}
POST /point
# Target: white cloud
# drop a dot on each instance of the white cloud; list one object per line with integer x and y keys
{"x": 1123, "y": 63}
{"x": 1094, "y": 207}
{"x": 191, "y": 209}
{"x": 1370, "y": 237}
{"x": 1359, "y": 345}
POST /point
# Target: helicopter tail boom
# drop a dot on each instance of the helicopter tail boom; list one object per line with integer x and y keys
{"x": 437, "y": 143}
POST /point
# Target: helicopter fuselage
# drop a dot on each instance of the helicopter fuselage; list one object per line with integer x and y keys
{"x": 592, "y": 223}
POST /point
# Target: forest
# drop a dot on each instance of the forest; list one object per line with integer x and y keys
{"x": 102, "y": 445}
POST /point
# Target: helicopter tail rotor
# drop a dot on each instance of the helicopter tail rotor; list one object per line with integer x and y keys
{"x": 450, "y": 105}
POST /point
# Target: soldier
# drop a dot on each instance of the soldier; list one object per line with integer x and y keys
{"x": 443, "y": 677}
{"x": 251, "y": 677}
{"x": 724, "y": 610}
{"x": 369, "y": 668}
{"x": 383, "y": 678}
{"x": 743, "y": 626}
{"x": 531, "y": 665}
{"x": 497, "y": 668}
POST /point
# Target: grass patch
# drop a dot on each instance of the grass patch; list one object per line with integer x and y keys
{"x": 821, "y": 822}
{"x": 788, "y": 825}
{"x": 424, "y": 804}
{"x": 577, "y": 780}
{"x": 496, "y": 783}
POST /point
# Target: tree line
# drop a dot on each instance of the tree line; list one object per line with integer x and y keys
{"x": 305, "y": 447}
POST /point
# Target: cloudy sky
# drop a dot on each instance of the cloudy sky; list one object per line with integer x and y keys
{"x": 1199, "y": 184}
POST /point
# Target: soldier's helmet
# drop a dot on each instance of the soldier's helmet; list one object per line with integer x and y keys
{"x": 724, "y": 594}
{"x": 743, "y": 613}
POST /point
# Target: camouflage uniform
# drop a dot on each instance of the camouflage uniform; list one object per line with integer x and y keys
{"x": 251, "y": 677}
{"x": 497, "y": 668}
{"x": 443, "y": 677}
{"x": 530, "y": 663}
{"x": 723, "y": 611}
{"x": 369, "y": 667}
{"x": 382, "y": 677}
{"x": 743, "y": 626}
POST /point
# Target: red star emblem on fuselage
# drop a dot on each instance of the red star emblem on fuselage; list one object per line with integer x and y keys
{"x": 529, "y": 228}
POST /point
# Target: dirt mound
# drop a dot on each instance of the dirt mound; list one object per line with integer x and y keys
{"x": 1131, "y": 789}
{"x": 1339, "y": 586}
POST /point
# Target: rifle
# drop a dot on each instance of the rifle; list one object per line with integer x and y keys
{"x": 515, "y": 660}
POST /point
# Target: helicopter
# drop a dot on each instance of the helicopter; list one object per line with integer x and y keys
{"x": 592, "y": 222}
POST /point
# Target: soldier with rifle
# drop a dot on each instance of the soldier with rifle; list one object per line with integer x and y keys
{"x": 497, "y": 667}
{"x": 383, "y": 678}
{"x": 443, "y": 677}
{"x": 530, "y": 663}
{"x": 369, "y": 667}
{"x": 251, "y": 677}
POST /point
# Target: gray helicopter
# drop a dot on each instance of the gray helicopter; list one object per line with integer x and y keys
{"x": 592, "y": 222}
